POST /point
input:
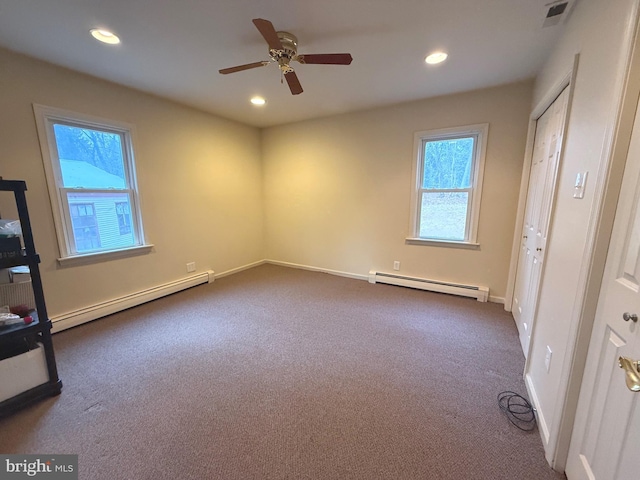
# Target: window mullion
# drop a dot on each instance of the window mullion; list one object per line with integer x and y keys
{"x": 446, "y": 190}
{"x": 66, "y": 218}
{"x": 66, "y": 190}
{"x": 469, "y": 219}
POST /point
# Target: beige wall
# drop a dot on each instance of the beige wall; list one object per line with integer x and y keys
{"x": 199, "y": 176}
{"x": 335, "y": 191}
{"x": 574, "y": 260}
{"x": 338, "y": 189}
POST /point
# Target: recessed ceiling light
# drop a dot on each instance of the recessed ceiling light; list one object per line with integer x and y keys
{"x": 436, "y": 57}
{"x": 258, "y": 101}
{"x": 105, "y": 36}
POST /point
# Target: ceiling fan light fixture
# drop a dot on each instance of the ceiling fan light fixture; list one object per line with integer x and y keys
{"x": 283, "y": 49}
{"x": 436, "y": 57}
{"x": 258, "y": 101}
{"x": 105, "y": 36}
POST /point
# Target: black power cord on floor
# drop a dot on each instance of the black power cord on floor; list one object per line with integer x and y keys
{"x": 518, "y": 410}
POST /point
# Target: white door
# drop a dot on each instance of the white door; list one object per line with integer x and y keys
{"x": 605, "y": 444}
{"x": 542, "y": 181}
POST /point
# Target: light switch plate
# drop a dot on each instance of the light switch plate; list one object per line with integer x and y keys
{"x": 581, "y": 182}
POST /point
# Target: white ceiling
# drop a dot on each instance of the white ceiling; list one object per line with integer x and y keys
{"x": 174, "y": 48}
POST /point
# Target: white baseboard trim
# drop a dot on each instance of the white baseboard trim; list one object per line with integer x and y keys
{"x": 357, "y": 276}
{"x": 83, "y": 315}
{"x": 87, "y": 314}
{"x": 317, "y": 269}
{"x": 542, "y": 424}
{"x": 240, "y": 269}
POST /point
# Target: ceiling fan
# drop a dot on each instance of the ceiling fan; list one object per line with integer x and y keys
{"x": 283, "y": 49}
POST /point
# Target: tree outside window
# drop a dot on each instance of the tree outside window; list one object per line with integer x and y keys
{"x": 91, "y": 179}
{"x": 448, "y": 181}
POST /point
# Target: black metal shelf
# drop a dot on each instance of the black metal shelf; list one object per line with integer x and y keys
{"x": 21, "y": 329}
{"x": 40, "y": 329}
{"x": 18, "y": 261}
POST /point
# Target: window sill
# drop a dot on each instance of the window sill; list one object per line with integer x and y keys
{"x": 442, "y": 243}
{"x": 103, "y": 256}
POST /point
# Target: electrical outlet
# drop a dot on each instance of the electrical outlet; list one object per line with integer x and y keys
{"x": 191, "y": 267}
{"x": 547, "y": 358}
{"x": 396, "y": 265}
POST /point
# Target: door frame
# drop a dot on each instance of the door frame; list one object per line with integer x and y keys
{"x": 567, "y": 81}
{"x": 564, "y": 87}
{"x": 618, "y": 141}
{"x": 606, "y": 184}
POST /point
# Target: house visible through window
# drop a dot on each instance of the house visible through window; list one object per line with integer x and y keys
{"x": 91, "y": 179}
{"x": 85, "y": 226}
{"x": 124, "y": 217}
{"x": 448, "y": 181}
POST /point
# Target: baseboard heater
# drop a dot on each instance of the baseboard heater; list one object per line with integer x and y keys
{"x": 474, "y": 291}
{"x": 93, "y": 312}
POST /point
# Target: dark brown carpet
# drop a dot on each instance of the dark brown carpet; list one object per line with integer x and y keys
{"x": 276, "y": 373}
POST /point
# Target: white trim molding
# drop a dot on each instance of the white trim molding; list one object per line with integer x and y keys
{"x": 93, "y": 312}
{"x": 542, "y": 423}
{"x": 60, "y": 193}
{"x": 441, "y": 243}
{"x": 480, "y": 134}
{"x": 357, "y": 276}
{"x": 226, "y": 273}
{"x": 102, "y": 256}
{"x": 567, "y": 80}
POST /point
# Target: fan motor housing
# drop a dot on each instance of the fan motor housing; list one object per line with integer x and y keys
{"x": 289, "y": 43}
{"x": 289, "y": 51}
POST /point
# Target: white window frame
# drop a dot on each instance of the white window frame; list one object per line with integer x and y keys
{"x": 480, "y": 133}
{"x": 46, "y": 117}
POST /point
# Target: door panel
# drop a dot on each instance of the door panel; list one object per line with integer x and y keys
{"x": 628, "y": 466}
{"x": 599, "y": 450}
{"x": 604, "y": 444}
{"x": 629, "y": 265}
{"x": 522, "y": 290}
{"x": 540, "y": 195}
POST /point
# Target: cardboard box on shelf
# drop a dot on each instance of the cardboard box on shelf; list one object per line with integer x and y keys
{"x": 19, "y": 274}
{"x": 22, "y": 372}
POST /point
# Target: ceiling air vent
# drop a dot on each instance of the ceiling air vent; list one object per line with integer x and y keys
{"x": 557, "y": 12}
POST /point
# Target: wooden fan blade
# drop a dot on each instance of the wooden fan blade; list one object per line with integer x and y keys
{"x": 326, "y": 58}
{"x": 294, "y": 83}
{"x": 239, "y": 68}
{"x": 265, "y": 27}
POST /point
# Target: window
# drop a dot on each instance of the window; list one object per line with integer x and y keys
{"x": 91, "y": 179}
{"x": 447, "y": 184}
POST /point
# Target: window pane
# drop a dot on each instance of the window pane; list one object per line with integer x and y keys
{"x": 89, "y": 158}
{"x": 447, "y": 163}
{"x": 101, "y": 221}
{"x": 444, "y": 215}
